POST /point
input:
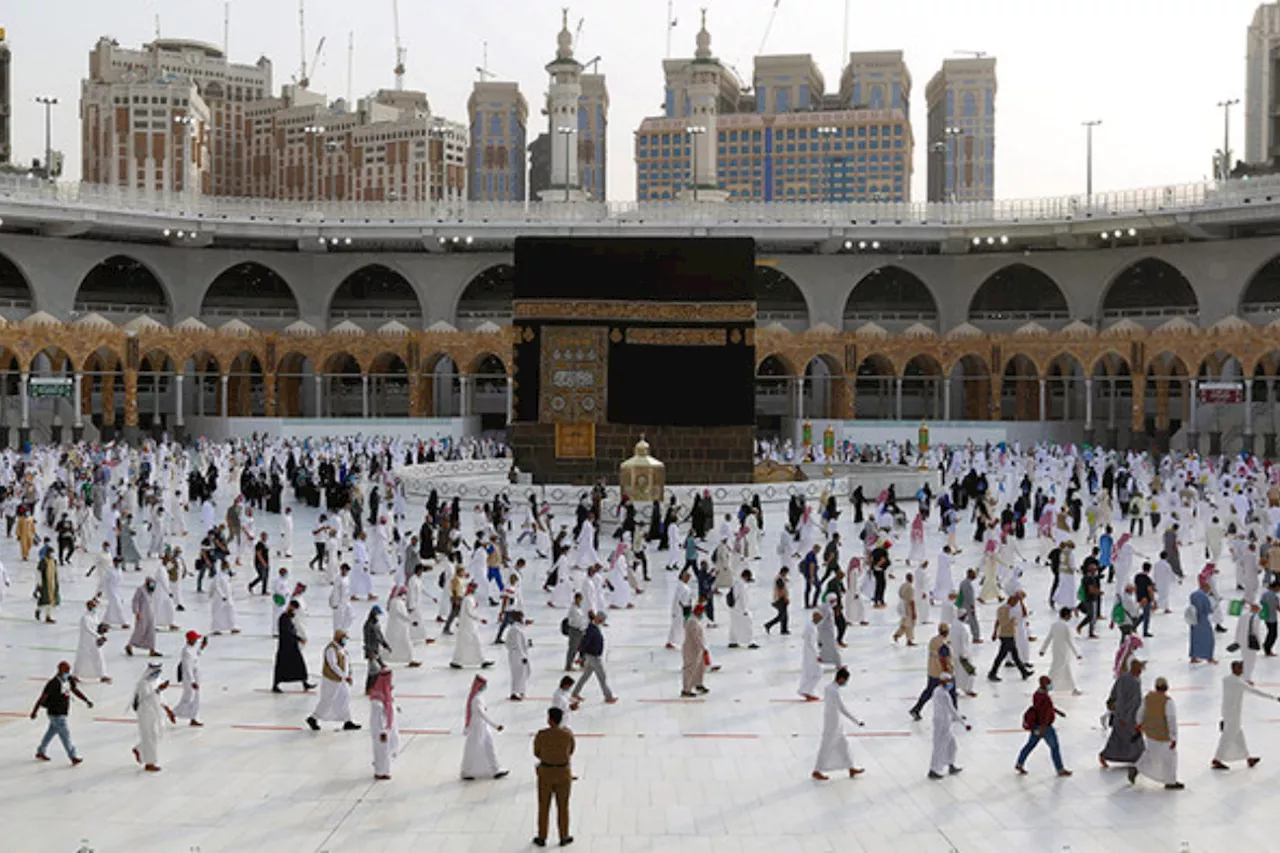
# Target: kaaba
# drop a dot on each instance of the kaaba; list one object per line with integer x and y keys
{"x": 618, "y": 338}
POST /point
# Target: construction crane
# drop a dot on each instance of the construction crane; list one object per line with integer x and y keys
{"x": 577, "y": 33}
{"x": 976, "y": 54}
{"x": 303, "y": 79}
{"x": 593, "y": 64}
{"x": 773, "y": 13}
{"x": 395, "y": 17}
{"x": 483, "y": 68}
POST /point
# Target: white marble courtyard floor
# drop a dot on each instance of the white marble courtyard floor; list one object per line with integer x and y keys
{"x": 656, "y": 773}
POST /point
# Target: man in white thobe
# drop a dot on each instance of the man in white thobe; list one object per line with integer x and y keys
{"x": 810, "y": 659}
{"x": 833, "y": 749}
{"x": 517, "y": 643}
{"x": 1231, "y": 743}
{"x": 189, "y": 674}
{"x": 945, "y": 715}
{"x": 681, "y": 602}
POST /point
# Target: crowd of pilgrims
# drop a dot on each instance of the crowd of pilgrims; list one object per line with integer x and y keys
{"x": 1031, "y": 512}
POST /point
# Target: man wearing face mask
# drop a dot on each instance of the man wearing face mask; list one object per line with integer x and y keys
{"x": 1038, "y": 721}
{"x": 144, "y": 620}
{"x": 335, "y": 687}
{"x": 56, "y": 700}
{"x": 148, "y": 705}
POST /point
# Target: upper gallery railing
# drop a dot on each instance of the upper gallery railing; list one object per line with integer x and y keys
{"x": 23, "y": 191}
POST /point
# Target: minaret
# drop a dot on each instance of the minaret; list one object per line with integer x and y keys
{"x": 565, "y": 91}
{"x": 704, "y": 91}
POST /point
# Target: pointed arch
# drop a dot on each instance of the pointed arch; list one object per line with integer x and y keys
{"x": 1149, "y": 287}
{"x": 1261, "y": 296}
{"x": 16, "y": 296}
{"x": 487, "y": 297}
{"x": 122, "y": 285}
{"x": 1018, "y": 292}
{"x": 252, "y": 292}
{"x": 889, "y": 294}
{"x": 374, "y": 294}
{"x": 779, "y": 299}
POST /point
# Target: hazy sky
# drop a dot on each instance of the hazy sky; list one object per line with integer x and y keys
{"x": 1152, "y": 70}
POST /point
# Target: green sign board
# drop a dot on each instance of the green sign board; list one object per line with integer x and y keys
{"x": 42, "y": 387}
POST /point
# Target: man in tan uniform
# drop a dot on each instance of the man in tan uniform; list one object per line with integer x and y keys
{"x": 553, "y": 747}
{"x": 907, "y": 612}
{"x": 1007, "y": 633}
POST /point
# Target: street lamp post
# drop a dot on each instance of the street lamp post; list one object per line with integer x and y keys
{"x": 1226, "y": 106}
{"x": 940, "y": 149}
{"x": 953, "y": 134}
{"x": 567, "y": 133}
{"x": 695, "y": 132}
{"x": 1088, "y": 158}
{"x": 48, "y": 103}
{"x": 312, "y": 131}
{"x": 185, "y": 123}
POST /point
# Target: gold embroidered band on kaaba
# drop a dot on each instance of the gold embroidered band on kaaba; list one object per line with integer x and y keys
{"x": 687, "y": 312}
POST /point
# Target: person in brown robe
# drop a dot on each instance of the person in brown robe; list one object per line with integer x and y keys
{"x": 695, "y": 654}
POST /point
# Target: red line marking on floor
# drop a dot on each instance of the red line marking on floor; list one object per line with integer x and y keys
{"x": 726, "y": 736}
{"x": 111, "y": 720}
{"x": 1185, "y": 689}
{"x": 796, "y": 701}
{"x": 1189, "y": 724}
{"x": 257, "y": 728}
{"x": 669, "y": 701}
{"x": 1005, "y": 731}
{"x": 13, "y": 714}
{"x": 430, "y": 732}
{"x": 419, "y": 696}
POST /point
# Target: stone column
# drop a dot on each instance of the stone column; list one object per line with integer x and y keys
{"x": 1269, "y": 428}
{"x": 269, "y": 394}
{"x": 1162, "y": 414}
{"x": 464, "y": 395}
{"x": 1043, "y": 385}
{"x": 510, "y": 399}
{"x": 319, "y": 380}
{"x": 1193, "y": 416}
{"x": 1088, "y": 410}
{"x": 1138, "y": 411}
{"x": 364, "y": 395}
{"x": 130, "y": 405}
{"x": 897, "y": 398}
{"x": 798, "y": 388}
{"x": 1248, "y": 414}
{"x": 24, "y": 428}
{"x": 223, "y": 410}
{"x": 77, "y": 423}
{"x": 179, "y": 381}
{"x": 1066, "y": 397}
{"x": 1113, "y": 432}
{"x": 946, "y": 399}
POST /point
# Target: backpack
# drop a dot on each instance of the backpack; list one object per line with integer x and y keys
{"x": 564, "y": 626}
{"x": 1029, "y": 719}
{"x": 729, "y": 599}
{"x": 1191, "y": 616}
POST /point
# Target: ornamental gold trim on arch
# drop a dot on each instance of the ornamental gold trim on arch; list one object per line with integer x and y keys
{"x": 707, "y": 312}
{"x": 677, "y": 337}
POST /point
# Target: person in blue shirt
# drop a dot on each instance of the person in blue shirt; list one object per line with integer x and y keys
{"x": 1105, "y": 544}
{"x": 809, "y": 571}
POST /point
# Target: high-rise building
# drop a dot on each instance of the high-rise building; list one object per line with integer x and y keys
{"x": 593, "y": 133}
{"x": 876, "y": 80}
{"x": 6, "y": 95}
{"x": 496, "y": 167}
{"x": 962, "y": 130}
{"x": 177, "y": 116}
{"x": 539, "y": 165}
{"x": 1262, "y": 86}
{"x": 225, "y": 90}
{"x": 786, "y": 139}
